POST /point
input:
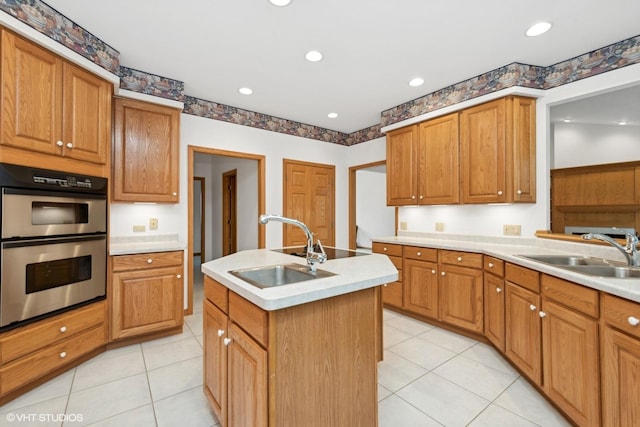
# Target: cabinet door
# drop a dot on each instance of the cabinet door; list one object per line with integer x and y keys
{"x": 620, "y": 379}
{"x": 421, "y": 287}
{"x": 438, "y": 181}
{"x": 494, "y": 306}
{"x": 392, "y": 293}
{"x": 215, "y": 359}
{"x": 461, "y": 297}
{"x": 31, "y": 96}
{"x": 523, "y": 331}
{"x": 402, "y": 160}
{"x": 86, "y": 132}
{"x": 247, "y": 381}
{"x": 521, "y": 148}
{"x": 146, "y": 143}
{"x": 482, "y": 148}
{"x": 146, "y": 301}
{"x": 570, "y": 362}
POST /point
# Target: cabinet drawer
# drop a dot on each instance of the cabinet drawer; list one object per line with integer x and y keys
{"x": 522, "y": 276}
{"x": 419, "y": 253}
{"x": 26, "y": 340}
{"x": 216, "y": 293}
{"x": 37, "y": 364}
{"x": 621, "y": 313}
{"x": 493, "y": 265}
{"x": 463, "y": 259}
{"x": 397, "y": 262}
{"x": 150, "y": 260}
{"x": 250, "y": 317}
{"x": 392, "y": 294}
{"x": 387, "y": 249}
{"x": 570, "y": 294}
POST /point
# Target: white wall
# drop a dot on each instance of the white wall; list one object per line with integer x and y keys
{"x": 373, "y": 217}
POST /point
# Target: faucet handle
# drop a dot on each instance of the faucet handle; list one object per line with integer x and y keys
{"x": 323, "y": 254}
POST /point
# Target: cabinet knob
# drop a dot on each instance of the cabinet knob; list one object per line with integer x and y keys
{"x": 149, "y": 261}
{"x": 419, "y": 253}
{"x": 498, "y": 290}
{"x": 63, "y": 355}
{"x": 220, "y": 332}
{"x": 443, "y": 273}
{"x": 385, "y": 285}
{"x": 63, "y": 329}
{"x": 174, "y": 193}
{"x": 59, "y": 143}
{"x": 542, "y": 314}
{"x": 519, "y": 192}
{"x": 413, "y": 197}
{"x": 499, "y": 193}
{"x": 532, "y": 307}
{"x": 227, "y": 341}
{"x": 459, "y": 259}
{"x": 421, "y": 197}
{"x": 633, "y": 321}
{"x": 384, "y": 249}
{"x": 433, "y": 272}
{"x": 179, "y": 276}
{"x": 69, "y": 145}
{"x": 490, "y": 265}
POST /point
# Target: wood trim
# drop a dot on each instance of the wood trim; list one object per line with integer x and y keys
{"x": 191, "y": 150}
{"x": 202, "y": 182}
{"x": 229, "y": 212}
{"x": 352, "y": 200}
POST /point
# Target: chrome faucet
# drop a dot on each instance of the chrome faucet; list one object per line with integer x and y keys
{"x": 630, "y": 250}
{"x": 313, "y": 257}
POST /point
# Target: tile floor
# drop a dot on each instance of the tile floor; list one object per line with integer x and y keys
{"x": 429, "y": 377}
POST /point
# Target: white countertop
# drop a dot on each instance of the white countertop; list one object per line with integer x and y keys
{"x": 507, "y": 249}
{"x": 351, "y": 274}
{"x": 146, "y": 243}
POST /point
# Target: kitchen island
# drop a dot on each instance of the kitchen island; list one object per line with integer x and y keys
{"x": 299, "y": 354}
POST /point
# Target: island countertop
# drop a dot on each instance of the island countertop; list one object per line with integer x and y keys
{"x": 351, "y": 274}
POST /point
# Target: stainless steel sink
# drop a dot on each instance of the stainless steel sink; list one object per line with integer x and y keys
{"x": 278, "y": 275}
{"x": 588, "y": 265}
{"x": 621, "y": 272}
{"x": 564, "y": 259}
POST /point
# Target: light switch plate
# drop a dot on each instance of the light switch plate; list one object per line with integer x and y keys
{"x": 511, "y": 229}
{"x": 138, "y": 228}
{"x": 403, "y": 225}
{"x": 439, "y": 226}
{"x": 153, "y": 223}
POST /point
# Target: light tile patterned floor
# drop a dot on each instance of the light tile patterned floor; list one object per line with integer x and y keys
{"x": 429, "y": 377}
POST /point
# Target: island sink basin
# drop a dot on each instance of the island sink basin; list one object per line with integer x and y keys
{"x": 588, "y": 265}
{"x": 278, "y": 275}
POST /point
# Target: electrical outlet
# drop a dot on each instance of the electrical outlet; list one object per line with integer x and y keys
{"x": 511, "y": 230}
{"x": 439, "y": 226}
{"x": 403, "y": 225}
{"x": 153, "y": 223}
{"x": 138, "y": 228}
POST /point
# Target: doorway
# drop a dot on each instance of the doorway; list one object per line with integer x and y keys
{"x": 229, "y": 213}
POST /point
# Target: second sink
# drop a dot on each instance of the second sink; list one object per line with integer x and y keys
{"x": 278, "y": 275}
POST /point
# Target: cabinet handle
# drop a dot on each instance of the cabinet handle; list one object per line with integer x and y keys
{"x": 63, "y": 329}
{"x": 633, "y": 321}
{"x": 498, "y": 290}
{"x": 220, "y": 332}
{"x": 542, "y": 314}
{"x": 63, "y": 355}
{"x": 421, "y": 197}
{"x": 227, "y": 341}
{"x": 384, "y": 249}
{"x": 443, "y": 273}
{"x": 490, "y": 265}
{"x": 174, "y": 193}
{"x": 532, "y": 307}
{"x": 499, "y": 193}
{"x": 419, "y": 253}
{"x": 385, "y": 285}
{"x": 433, "y": 272}
{"x": 59, "y": 143}
{"x": 413, "y": 197}
{"x": 69, "y": 145}
{"x": 149, "y": 261}
{"x": 459, "y": 259}
{"x": 519, "y": 192}
{"x": 179, "y": 276}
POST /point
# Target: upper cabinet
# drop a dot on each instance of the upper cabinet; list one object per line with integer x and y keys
{"x": 145, "y": 152}
{"x": 484, "y": 154}
{"x": 52, "y": 107}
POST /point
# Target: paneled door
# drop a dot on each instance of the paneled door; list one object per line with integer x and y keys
{"x": 309, "y": 196}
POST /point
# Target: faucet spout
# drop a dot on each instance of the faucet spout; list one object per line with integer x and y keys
{"x": 630, "y": 250}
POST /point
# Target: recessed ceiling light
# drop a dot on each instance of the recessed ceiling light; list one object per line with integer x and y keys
{"x": 622, "y": 123}
{"x": 313, "y": 56}
{"x": 245, "y": 91}
{"x": 332, "y": 115}
{"x": 416, "y": 82}
{"x": 567, "y": 120}
{"x": 539, "y": 28}
{"x": 280, "y": 3}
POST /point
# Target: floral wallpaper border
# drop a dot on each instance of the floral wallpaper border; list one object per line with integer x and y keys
{"x": 56, "y": 26}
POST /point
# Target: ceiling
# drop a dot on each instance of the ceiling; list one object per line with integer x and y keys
{"x": 371, "y": 48}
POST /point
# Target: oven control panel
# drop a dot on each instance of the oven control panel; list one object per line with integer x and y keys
{"x": 67, "y": 182}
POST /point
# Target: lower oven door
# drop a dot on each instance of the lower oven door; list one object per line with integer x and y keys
{"x": 42, "y": 276}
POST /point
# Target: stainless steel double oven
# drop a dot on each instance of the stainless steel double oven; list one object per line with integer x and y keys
{"x": 53, "y": 242}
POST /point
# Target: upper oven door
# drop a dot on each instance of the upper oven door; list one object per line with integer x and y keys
{"x": 28, "y": 213}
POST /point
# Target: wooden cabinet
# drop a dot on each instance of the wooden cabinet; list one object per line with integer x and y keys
{"x": 620, "y": 350}
{"x": 420, "y": 281}
{"x": 52, "y": 107}
{"x": 145, "y": 152}
{"x": 147, "y": 293}
{"x": 402, "y": 166}
{"x": 494, "y": 301}
{"x": 460, "y": 290}
{"x": 497, "y": 150}
{"x": 29, "y": 353}
{"x": 392, "y": 293}
{"x": 523, "y": 344}
{"x": 570, "y": 349}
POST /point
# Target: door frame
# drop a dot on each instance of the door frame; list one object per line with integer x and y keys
{"x": 202, "y": 182}
{"x": 229, "y": 212}
{"x": 352, "y": 201}
{"x": 191, "y": 150}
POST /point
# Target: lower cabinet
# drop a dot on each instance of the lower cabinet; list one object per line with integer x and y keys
{"x": 392, "y": 293}
{"x": 461, "y": 290}
{"x": 36, "y": 350}
{"x": 147, "y": 293}
{"x": 421, "y": 287}
{"x": 494, "y": 302}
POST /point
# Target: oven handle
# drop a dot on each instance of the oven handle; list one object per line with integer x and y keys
{"x": 71, "y": 193}
{"x": 51, "y": 241}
